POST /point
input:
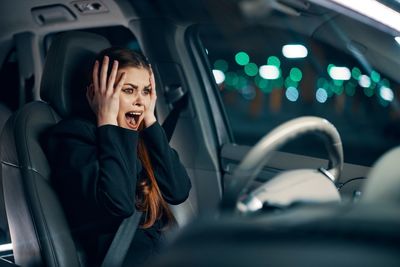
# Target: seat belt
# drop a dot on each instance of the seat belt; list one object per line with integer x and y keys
{"x": 178, "y": 99}
{"x": 123, "y": 238}
{"x": 115, "y": 256}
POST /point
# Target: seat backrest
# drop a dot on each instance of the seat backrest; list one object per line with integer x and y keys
{"x": 39, "y": 230}
{"x": 5, "y": 113}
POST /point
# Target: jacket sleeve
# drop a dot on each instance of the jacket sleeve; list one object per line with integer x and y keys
{"x": 98, "y": 164}
{"x": 170, "y": 174}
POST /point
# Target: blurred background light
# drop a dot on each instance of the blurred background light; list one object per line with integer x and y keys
{"x": 364, "y": 81}
{"x": 290, "y": 83}
{"x": 221, "y": 65}
{"x": 386, "y": 93}
{"x": 273, "y": 60}
{"x": 242, "y": 58}
{"x": 294, "y": 51}
{"x": 296, "y": 74}
{"x": 350, "y": 88}
{"x": 356, "y": 73}
{"x": 219, "y": 76}
{"x": 340, "y": 73}
{"x": 321, "y": 95}
{"x": 251, "y": 69}
{"x": 269, "y": 72}
{"x": 397, "y": 38}
{"x": 292, "y": 94}
{"x": 248, "y": 92}
{"x": 375, "y": 76}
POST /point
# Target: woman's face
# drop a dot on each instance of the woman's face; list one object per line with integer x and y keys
{"x": 134, "y": 98}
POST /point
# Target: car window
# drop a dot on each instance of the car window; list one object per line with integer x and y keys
{"x": 321, "y": 64}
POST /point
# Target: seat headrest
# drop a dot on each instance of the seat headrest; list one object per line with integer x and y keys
{"x": 67, "y": 71}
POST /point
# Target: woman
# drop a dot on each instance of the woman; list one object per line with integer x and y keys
{"x": 106, "y": 168}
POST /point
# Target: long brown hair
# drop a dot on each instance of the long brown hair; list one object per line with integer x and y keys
{"x": 148, "y": 197}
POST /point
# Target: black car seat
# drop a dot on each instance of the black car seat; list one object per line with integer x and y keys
{"x": 5, "y": 113}
{"x": 39, "y": 230}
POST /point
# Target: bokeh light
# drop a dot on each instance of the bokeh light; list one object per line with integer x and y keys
{"x": 219, "y": 76}
{"x": 242, "y": 58}
{"x": 292, "y": 94}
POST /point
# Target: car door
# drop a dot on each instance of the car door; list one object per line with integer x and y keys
{"x": 252, "y": 86}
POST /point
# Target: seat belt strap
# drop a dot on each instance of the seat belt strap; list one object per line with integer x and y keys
{"x": 123, "y": 238}
{"x": 178, "y": 99}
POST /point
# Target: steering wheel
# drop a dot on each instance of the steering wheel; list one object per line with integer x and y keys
{"x": 305, "y": 185}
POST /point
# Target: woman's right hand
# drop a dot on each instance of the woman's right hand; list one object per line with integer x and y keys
{"x": 103, "y": 93}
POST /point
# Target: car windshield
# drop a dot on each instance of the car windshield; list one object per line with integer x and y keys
{"x": 276, "y": 62}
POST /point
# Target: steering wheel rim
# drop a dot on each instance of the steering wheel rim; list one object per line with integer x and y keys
{"x": 256, "y": 158}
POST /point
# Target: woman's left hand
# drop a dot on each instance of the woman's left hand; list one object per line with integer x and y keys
{"x": 149, "y": 114}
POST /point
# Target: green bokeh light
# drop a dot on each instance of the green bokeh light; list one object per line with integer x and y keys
{"x": 369, "y": 91}
{"x": 261, "y": 83}
{"x": 242, "y": 82}
{"x": 296, "y": 74}
{"x": 338, "y": 82}
{"x": 356, "y": 73}
{"x": 330, "y": 66}
{"x": 242, "y": 58}
{"x": 273, "y": 60}
{"x": 290, "y": 83}
{"x": 322, "y": 83}
{"x": 350, "y": 88}
{"x": 375, "y": 76}
{"x": 231, "y": 80}
{"x": 385, "y": 82}
{"x": 337, "y": 89}
{"x": 221, "y": 65}
{"x": 251, "y": 69}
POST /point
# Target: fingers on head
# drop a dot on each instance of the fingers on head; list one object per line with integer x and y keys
{"x": 95, "y": 74}
{"x": 121, "y": 82}
{"x": 113, "y": 75}
{"x": 103, "y": 73}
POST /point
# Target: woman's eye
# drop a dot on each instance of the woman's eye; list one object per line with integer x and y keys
{"x": 146, "y": 91}
{"x": 127, "y": 90}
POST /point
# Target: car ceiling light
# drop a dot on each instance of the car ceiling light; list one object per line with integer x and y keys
{"x": 294, "y": 51}
{"x": 386, "y": 93}
{"x": 269, "y": 72}
{"x": 340, "y": 73}
{"x": 364, "y": 81}
{"x": 374, "y": 10}
{"x": 219, "y": 76}
{"x": 397, "y": 38}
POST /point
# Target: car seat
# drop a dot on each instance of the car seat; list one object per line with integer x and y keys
{"x": 5, "y": 113}
{"x": 39, "y": 230}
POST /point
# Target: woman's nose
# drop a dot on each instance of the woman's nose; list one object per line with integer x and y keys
{"x": 138, "y": 101}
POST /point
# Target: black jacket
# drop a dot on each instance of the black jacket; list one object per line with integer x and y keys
{"x": 95, "y": 170}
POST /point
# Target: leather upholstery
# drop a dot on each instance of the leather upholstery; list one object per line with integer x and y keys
{"x": 5, "y": 113}
{"x": 64, "y": 84}
{"x": 38, "y": 227}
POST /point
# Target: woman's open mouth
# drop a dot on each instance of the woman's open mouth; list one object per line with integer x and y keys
{"x": 133, "y": 117}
